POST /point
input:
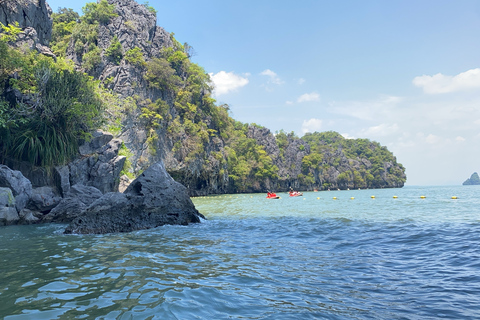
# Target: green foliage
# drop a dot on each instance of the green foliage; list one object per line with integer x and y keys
{"x": 330, "y": 149}
{"x": 127, "y": 166}
{"x": 149, "y": 7}
{"x": 9, "y": 33}
{"x": 161, "y": 75}
{"x": 115, "y": 51}
{"x": 100, "y": 12}
{"x": 84, "y": 35}
{"x": 64, "y": 22}
{"x": 92, "y": 59}
{"x": 66, "y": 109}
{"x": 135, "y": 56}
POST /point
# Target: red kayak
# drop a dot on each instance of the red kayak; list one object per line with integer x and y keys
{"x": 295, "y": 194}
{"x": 272, "y": 196}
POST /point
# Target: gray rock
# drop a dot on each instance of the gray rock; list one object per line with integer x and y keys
{"x": 124, "y": 183}
{"x": 153, "y": 199}
{"x": 99, "y": 140}
{"x": 29, "y": 217}
{"x": 75, "y": 202}
{"x": 29, "y": 13}
{"x": 43, "y": 199}
{"x": 100, "y": 169}
{"x": 28, "y": 40}
{"x": 6, "y": 198}
{"x": 61, "y": 175}
{"x": 21, "y": 187}
{"x": 8, "y": 216}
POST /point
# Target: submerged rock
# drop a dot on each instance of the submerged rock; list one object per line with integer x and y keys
{"x": 153, "y": 199}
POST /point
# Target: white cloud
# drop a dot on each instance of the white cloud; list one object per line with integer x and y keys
{"x": 226, "y": 82}
{"x": 381, "y": 130}
{"x": 301, "y": 81}
{"x": 432, "y": 139}
{"x": 347, "y": 136}
{"x": 377, "y": 109}
{"x": 274, "y": 78}
{"x": 460, "y": 139}
{"x": 309, "y": 97}
{"x": 311, "y": 125}
{"x": 289, "y": 102}
{"x": 440, "y": 83}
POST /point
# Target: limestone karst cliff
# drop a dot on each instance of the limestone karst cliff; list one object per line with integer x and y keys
{"x": 159, "y": 104}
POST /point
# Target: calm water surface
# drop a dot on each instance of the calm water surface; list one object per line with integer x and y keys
{"x": 309, "y": 257}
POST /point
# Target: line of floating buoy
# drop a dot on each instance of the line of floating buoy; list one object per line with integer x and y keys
{"x": 318, "y": 198}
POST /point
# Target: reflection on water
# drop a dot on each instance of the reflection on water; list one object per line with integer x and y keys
{"x": 294, "y": 258}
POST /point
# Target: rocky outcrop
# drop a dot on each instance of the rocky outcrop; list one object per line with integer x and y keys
{"x": 28, "y": 40}
{"x": 20, "y": 186}
{"x": 473, "y": 180}
{"x": 35, "y": 14}
{"x": 99, "y": 165}
{"x": 43, "y": 199}
{"x": 78, "y": 199}
{"x": 15, "y": 192}
{"x": 153, "y": 199}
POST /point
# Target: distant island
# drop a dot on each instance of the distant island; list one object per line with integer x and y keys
{"x": 474, "y": 180}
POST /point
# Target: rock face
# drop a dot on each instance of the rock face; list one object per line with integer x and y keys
{"x": 20, "y": 186}
{"x": 28, "y": 13}
{"x": 99, "y": 165}
{"x": 78, "y": 199}
{"x": 473, "y": 180}
{"x": 153, "y": 199}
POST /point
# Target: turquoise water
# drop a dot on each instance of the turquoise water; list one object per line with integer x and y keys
{"x": 309, "y": 257}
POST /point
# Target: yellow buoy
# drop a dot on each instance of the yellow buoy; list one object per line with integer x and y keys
{"x": 454, "y": 197}
{"x": 352, "y": 198}
{"x": 373, "y": 197}
{"x": 318, "y": 198}
{"x": 395, "y": 197}
{"x": 422, "y": 197}
{"x": 334, "y": 198}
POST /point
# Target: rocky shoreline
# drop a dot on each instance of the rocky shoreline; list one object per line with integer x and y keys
{"x": 85, "y": 195}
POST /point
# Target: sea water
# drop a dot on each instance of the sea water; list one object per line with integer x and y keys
{"x": 362, "y": 255}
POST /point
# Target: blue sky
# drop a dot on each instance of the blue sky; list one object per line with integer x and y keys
{"x": 403, "y": 73}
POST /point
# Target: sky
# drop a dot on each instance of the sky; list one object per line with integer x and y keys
{"x": 404, "y": 73}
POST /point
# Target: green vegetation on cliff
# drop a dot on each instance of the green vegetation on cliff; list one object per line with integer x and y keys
{"x": 62, "y": 107}
{"x": 361, "y": 162}
{"x": 172, "y": 104}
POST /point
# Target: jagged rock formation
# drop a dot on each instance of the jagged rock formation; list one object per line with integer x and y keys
{"x": 78, "y": 199}
{"x": 153, "y": 199}
{"x": 201, "y": 163}
{"x": 473, "y": 180}
{"x": 35, "y": 14}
